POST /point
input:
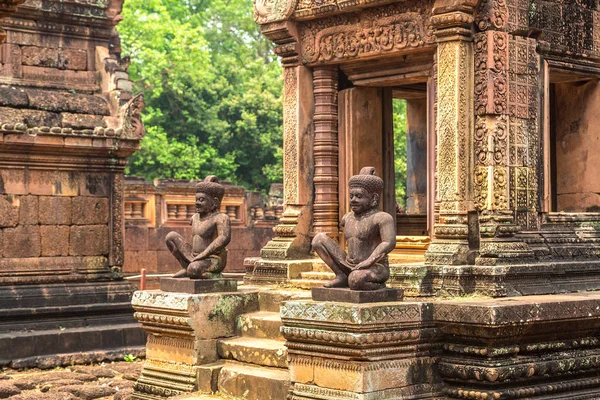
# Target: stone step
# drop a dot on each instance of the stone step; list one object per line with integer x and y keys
{"x": 308, "y": 283}
{"x": 264, "y": 352}
{"x": 249, "y": 382}
{"x": 270, "y": 300}
{"x": 261, "y": 324}
{"x": 320, "y": 266}
{"x": 317, "y": 275}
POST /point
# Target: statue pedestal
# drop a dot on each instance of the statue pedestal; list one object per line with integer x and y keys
{"x": 182, "y": 332}
{"x": 359, "y": 351}
{"x": 197, "y": 286}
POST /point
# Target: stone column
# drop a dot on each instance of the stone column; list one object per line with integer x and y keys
{"x": 416, "y": 156}
{"x": 326, "y": 178}
{"x": 288, "y": 253}
{"x": 454, "y": 126}
{"x": 505, "y": 139}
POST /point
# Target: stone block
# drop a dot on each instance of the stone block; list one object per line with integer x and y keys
{"x": 55, "y": 240}
{"x": 136, "y": 238}
{"x": 31, "y": 118}
{"x": 28, "y": 210}
{"x": 78, "y": 142}
{"x": 88, "y": 240}
{"x": 39, "y": 56}
{"x": 95, "y": 184}
{"x": 253, "y": 382}
{"x": 195, "y": 286}
{"x": 208, "y": 377}
{"x": 57, "y": 101}
{"x": 82, "y": 121}
{"x": 136, "y": 260}
{"x": 13, "y": 97}
{"x": 13, "y": 181}
{"x": 55, "y": 210}
{"x": 73, "y": 59}
{"x": 187, "y": 350}
{"x": 9, "y": 211}
{"x": 53, "y": 183}
{"x": 22, "y": 242}
{"x": 357, "y": 296}
{"x": 210, "y": 316}
{"x": 90, "y": 211}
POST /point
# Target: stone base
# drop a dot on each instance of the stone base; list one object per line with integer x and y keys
{"x": 52, "y": 325}
{"x": 267, "y": 272}
{"x": 529, "y": 347}
{"x": 182, "y": 336}
{"x": 357, "y": 296}
{"x": 197, "y": 286}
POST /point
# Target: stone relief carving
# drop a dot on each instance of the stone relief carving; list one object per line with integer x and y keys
{"x": 369, "y": 32}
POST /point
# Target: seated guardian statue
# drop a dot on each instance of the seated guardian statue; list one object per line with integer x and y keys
{"x": 206, "y": 256}
{"x": 370, "y": 235}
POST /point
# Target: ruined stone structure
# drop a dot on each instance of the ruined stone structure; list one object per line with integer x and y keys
{"x": 68, "y": 121}
{"x": 152, "y": 210}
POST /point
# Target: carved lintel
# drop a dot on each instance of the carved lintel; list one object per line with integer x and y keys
{"x": 284, "y": 35}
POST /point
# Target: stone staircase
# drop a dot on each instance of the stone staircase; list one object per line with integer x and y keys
{"x": 319, "y": 276}
{"x": 254, "y": 364}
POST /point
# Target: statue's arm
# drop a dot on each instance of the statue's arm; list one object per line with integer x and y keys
{"x": 387, "y": 232}
{"x": 221, "y": 241}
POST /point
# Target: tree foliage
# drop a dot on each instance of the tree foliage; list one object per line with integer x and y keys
{"x": 399, "y": 121}
{"x": 212, "y": 88}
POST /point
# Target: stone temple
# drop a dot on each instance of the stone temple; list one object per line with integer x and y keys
{"x": 498, "y": 250}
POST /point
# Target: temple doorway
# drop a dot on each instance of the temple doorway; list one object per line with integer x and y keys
{"x": 385, "y": 120}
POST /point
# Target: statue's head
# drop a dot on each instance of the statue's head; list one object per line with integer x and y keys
{"x": 365, "y": 190}
{"x": 209, "y": 194}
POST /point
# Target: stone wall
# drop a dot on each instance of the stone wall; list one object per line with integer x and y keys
{"x": 68, "y": 122}
{"x": 152, "y": 210}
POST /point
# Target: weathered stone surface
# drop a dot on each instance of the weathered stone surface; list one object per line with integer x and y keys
{"x": 31, "y": 118}
{"x": 88, "y": 392}
{"x": 55, "y": 210}
{"x": 136, "y": 238}
{"x": 44, "y": 396}
{"x": 261, "y": 324}
{"x": 7, "y": 390}
{"x": 31, "y": 382}
{"x": 123, "y": 394}
{"x": 88, "y": 240}
{"x": 9, "y": 212}
{"x": 136, "y": 260}
{"x": 28, "y": 210}
{"x": 39, "y": 56}
{"x": 265, "y": 352}
{"x": 12, "y": 96}
{"x": 357, "y": 296}
{"x": 22, "y": 241}
{"x": 73, "y": 59}
{"x": 255, "y": 382}
{"x": 208, "y": 377}
{"x": 55, "y": 240}
{"x": 90, "y": 211}
{"x": 65, "y": 101}
{"x": 196, "y": 286}
{"x": 82, "y": 121}
{"x": 59, "y": 383}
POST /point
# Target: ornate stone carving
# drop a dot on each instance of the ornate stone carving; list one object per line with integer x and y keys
{"x": 133, "y": 128}
{"x": 370, "y": 32}
{"x": 266, "y": 11}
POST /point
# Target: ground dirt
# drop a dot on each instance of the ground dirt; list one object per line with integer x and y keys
{"x": 110, "y": 380}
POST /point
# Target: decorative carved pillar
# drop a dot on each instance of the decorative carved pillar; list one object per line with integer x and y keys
{"x": 288, "y": 253}
{"x": 505, "y": 140}
{"x": 326, "y": 206}
{"x": 454, "y": 123}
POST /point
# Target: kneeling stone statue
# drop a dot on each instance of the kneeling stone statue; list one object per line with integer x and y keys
{"x": 370, "y": 235}
{"x": 206, "y": 256}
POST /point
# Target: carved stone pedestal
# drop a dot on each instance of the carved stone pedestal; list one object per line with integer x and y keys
{"x": 530, "y": 347}
{"x": 359, "y": 351}
{"x": 182, "y": 335}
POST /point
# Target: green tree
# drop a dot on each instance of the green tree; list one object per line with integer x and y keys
{"x": 399, "y": 121}
{"x": 212, "y": 90}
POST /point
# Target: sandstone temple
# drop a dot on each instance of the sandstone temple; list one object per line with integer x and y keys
{"x": 497, "y": 251}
